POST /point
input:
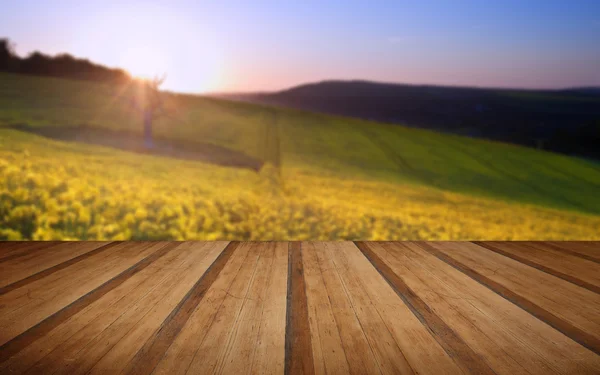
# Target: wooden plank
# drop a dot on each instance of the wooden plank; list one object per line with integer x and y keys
{"x": 269, "y": 354}
{"x": 578, "y": 271}
{"x": 328, "y": 350}
{"x": 420, "y": 351}
{"x": 155, "y": 348}
{"x": 556, "y": 350}
{"x": 247, "y": 333}
{"x": 435, "y": 283}
{"x": 586, "y": 250}
{"x": 8, "y": 248}
{"x": 36, "y": 261}
{"x": 467, "y": 359}
{"x": 388, "y": 355}
{"x": 180, "y": 354}
{"x": 241, "y": 323}
{"x": 239, "y": 349}
{"x": 190, "y": 270}
{"x": 22, "y": 340}
{"x": 359, "y": 352}
{"x": 369, "y": 346}
{"x": 122, "y": 353}
{"x": 24, "y": 307}
{"x": 417, "y": 351}
{"x": 41, "y": 259}
{"x": 71, "y": 333}
{"x": 73, "y": 355}
{"x": 11, "y": 250}
{"x": 17, "y": 275}
{"x": 123, "y": 333}
{"x": 54, "y": 285}
{"x": 210, "y": 355}
{"x": 573, "y": 310}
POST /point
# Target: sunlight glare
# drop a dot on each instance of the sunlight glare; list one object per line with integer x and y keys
{"x": 145, "y": 62}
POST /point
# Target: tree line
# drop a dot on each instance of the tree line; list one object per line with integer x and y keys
{"x": 61, "y": 65}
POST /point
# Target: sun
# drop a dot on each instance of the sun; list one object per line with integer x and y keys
{"x": 145, "y": 62}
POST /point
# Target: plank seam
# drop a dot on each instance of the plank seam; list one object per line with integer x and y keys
{"x": 538, "y": 312}
{"x": 35, "y": 367}
{"x": 456, "y": 348}
{"x": 566, "y": 251}
{"x": 39, "y": 275}
{"x": 31, "y": 335}
{"x": 360, "y": 324}
{"x": 180, "y": 266}
{"x": 548, "y": 270}
{"x": 236, "y": 327}
{"x": 298, "y": 346}
{"x": 385, "y": 324}
{"x": 214, "y": 316}
{"x": 154, "y": 349}
{"x": 35, "y": 246}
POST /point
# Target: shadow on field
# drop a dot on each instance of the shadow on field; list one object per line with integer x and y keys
{"x": 204, "y": 152}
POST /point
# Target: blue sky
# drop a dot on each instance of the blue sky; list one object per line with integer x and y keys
{"x": 268, "y": 45}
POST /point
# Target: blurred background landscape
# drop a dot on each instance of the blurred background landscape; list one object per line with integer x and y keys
{"x": 94, "y": 148}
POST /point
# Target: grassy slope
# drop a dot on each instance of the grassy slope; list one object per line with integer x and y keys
{"x": 341, "y": 178}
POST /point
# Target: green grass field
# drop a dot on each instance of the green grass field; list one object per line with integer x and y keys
{"x": 337, "y": 178}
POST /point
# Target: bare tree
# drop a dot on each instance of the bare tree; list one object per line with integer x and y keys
{"x": 151, "y": 105}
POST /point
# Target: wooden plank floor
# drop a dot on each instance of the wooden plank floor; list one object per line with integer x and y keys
{"x": 300, "y": 308}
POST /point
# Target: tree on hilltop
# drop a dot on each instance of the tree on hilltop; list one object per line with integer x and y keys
{"x": 151, "y": 105}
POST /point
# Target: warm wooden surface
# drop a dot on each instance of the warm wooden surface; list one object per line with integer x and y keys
{"x": 300, "y": 308}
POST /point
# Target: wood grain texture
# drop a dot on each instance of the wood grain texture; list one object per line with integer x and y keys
{"x": 186, "y": 345}
{"x": 328, "y": 346}
{"x": 86, "y": 249}
{"x": 32, "y": 334}
{"x": 77, "y": 331}
{"x": 568, "y": 302}
{"x": 154, "y": 349}
{"x": 418, "y": 346}
{"x": 197, "y": 258}
{"x": 95, "y": 339}
{"x": 589, "y": 248}
{"x": 584, "y": 338}
{"x": 22, "y": 308}
{"x": 358, "y": 351}
{"x": 269, "y": 352}
{"x": 190, "y": 307}
{"x": 366, "y": 332}
{"x": 580, "y": 272}
{"x": 11, "y": 250}
{"x": 210, "y": 355}
{"x": 456, "y": 348}
{"x": 116, "y": 345}
{"x": 510, "y": 340}
{"x": 584, "y": 250}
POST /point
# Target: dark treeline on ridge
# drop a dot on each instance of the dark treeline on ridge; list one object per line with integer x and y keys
{"x": 564, "y": 121}
{"x": 62, "y": 65}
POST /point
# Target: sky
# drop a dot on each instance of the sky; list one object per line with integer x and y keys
{"x": 243, "y": 45}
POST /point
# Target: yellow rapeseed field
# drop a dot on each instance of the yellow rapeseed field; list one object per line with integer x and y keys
{"x": 58, "y": 190}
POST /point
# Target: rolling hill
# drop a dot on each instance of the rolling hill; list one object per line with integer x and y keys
{"x": 324, "y": 177}
{"x": 566, "y": 121}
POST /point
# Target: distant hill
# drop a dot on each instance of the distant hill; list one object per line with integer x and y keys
{"x": 592, "y": 91}
{"x": 566, "y": 121}
{"x": 65, "y": 174}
